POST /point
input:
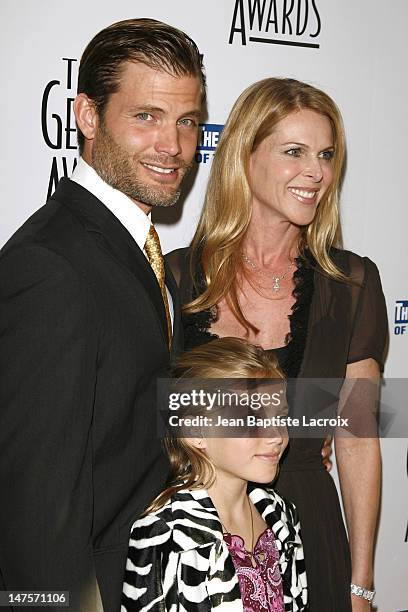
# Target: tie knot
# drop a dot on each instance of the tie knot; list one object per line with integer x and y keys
{"x": 155, "y": 255}
{"x": 152, "y": 244}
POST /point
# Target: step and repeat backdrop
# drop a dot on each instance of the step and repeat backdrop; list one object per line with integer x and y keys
{"x": 356, "y": 51}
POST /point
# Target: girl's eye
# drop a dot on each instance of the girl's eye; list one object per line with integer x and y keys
{"x": 294, "y": 152}
{"x": 328, "y": 155}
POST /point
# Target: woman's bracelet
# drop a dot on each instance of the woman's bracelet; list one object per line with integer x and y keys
{"x": 362, "y": 592}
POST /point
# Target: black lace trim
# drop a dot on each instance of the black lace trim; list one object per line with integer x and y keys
{"x": 196, "y": 325}
{"x": 299, "y": 318}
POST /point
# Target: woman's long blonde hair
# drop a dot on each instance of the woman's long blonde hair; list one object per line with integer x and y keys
{"x": 190, "y": 468}
{"x": 224, "y": 221}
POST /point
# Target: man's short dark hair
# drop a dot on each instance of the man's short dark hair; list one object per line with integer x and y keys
{"x": 156, "y": 44}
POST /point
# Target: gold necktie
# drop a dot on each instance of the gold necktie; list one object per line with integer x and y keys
{"x": 155, "y": 256}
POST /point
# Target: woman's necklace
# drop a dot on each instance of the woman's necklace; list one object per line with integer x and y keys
{"x": 250, "y": 552}
{"x": 277, "y": 279}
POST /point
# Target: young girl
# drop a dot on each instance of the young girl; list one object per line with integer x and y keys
{"x": 210, "y": 541}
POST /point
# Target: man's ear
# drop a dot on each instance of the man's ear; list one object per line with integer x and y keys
{"x": 86, "y": 115}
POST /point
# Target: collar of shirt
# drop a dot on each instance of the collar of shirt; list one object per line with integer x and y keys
{"x": 125, "y": 210}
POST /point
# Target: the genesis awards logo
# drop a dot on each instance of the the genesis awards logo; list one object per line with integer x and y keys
{"x": 295, "y": 23}
{"x": 401, "y": 317}
{"x": 209, "y": 136}
{"x": 58, "y": 123}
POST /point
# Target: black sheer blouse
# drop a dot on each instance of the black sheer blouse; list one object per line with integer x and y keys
{"x": 332, "y": 323}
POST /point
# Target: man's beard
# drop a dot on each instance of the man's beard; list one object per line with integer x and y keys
{"x": 114, "y": 165}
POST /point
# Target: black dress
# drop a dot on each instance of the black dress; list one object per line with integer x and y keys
{"x": 332, "y": 324}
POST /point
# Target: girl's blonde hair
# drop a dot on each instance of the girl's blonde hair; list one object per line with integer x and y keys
{"x": 190, "y": 468}
{"x": 224, "y": 221}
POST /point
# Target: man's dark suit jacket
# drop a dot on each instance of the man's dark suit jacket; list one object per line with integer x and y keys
{"x": 82, "y": 342}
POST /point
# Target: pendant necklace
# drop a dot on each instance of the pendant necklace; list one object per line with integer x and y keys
{"x": 277, "y": 279}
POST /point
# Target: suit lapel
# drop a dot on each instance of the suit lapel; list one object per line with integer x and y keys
{"x": 114, "y": 238}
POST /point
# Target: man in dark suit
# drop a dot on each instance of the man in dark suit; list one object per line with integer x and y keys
{"x": 89, "y": 319}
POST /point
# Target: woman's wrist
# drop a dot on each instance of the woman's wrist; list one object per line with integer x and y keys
{"x": 362, "y": 592}
{"x": 363, "y": 575}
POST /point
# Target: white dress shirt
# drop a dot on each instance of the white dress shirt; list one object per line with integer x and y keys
{"x": 125, "y": 210}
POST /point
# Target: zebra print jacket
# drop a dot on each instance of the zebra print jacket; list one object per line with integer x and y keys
{"x": 178, "y": 560}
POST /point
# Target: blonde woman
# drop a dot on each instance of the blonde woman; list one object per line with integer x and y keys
{"x": 208, "y": 542}
{"x": 266, "y": 264}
